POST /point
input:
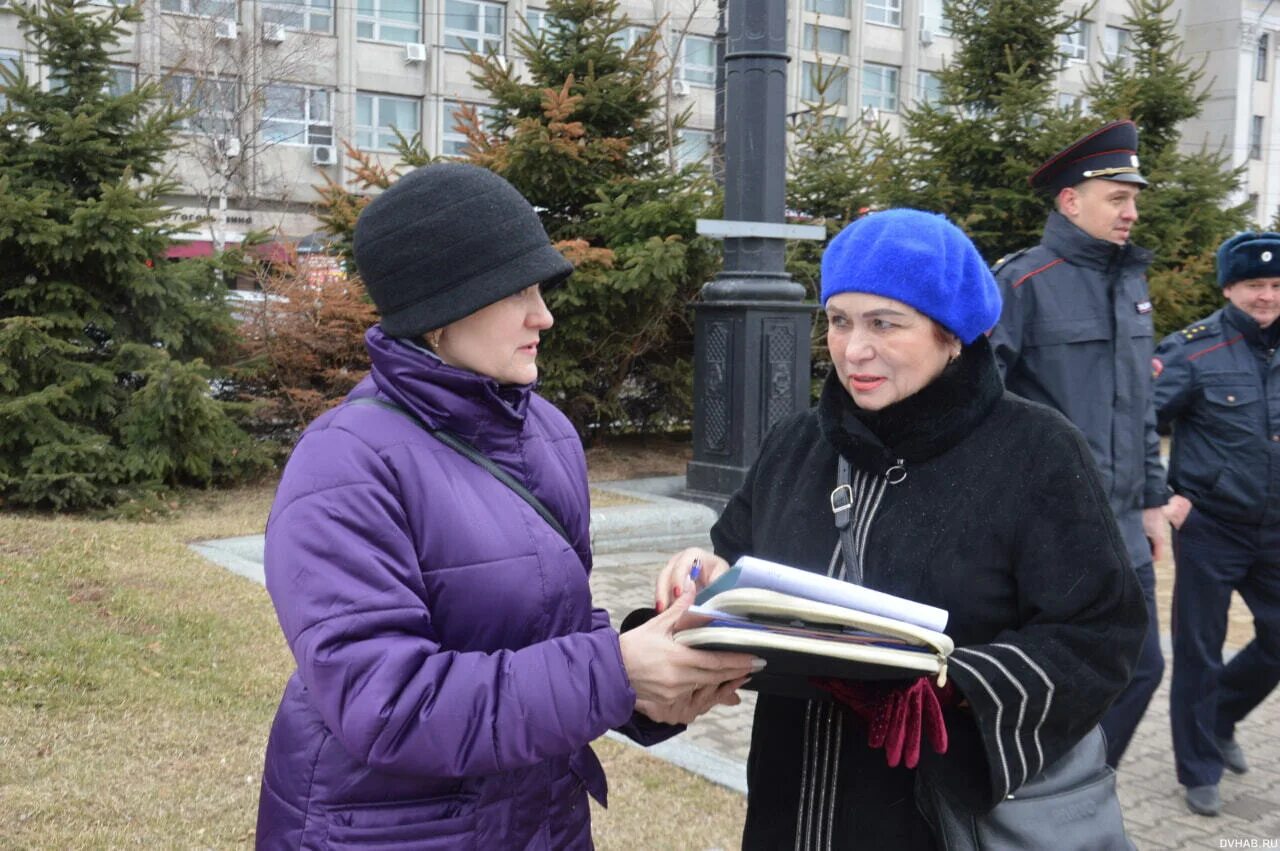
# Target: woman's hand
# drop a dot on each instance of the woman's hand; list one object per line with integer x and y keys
{"x": 675, "y": 684}
{"x": 1176, "y": 510}
{"x": 672, "y": 578}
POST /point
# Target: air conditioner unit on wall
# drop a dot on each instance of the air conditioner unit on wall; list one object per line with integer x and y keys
{"x": 273, "y": 33}
{"x": 926, "y": 37}
{"x": 323, "y": 155}
{"x": 680, "y": 88}
{"x": 227, "y": 30}
{"x": 415, "y": 53}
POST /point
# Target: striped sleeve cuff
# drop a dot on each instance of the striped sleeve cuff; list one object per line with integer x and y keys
{"x": 1011, "y": 696}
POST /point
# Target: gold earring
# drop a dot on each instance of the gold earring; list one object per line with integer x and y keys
{"x": 433, "y": 340}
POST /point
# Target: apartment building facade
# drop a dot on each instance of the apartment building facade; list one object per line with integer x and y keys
{"x": 325, "y": 72}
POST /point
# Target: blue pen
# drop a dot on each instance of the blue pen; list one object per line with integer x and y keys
{"x": 697, "y": 568}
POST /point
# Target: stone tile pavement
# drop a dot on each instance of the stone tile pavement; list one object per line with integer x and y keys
{"x": 1154, "y": 810}
{"x": 632, "y": 543}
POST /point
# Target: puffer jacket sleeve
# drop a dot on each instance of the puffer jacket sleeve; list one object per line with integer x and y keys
{"x": 345, "y": 579}
{"x": 1037, "y": 688}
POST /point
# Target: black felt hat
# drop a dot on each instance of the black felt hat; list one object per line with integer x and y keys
{"x": 446, "y": 240}
{"x": 1110, "y": 152}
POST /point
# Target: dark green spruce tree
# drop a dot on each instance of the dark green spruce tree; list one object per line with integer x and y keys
{"x": 587, "y": 137}
{"x": 969, "y": 153}
{"x": 1185, "y": 214}
{"x": 104, "y": 395}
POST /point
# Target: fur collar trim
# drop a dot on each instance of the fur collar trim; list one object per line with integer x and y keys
{"x": 919, "y": 427}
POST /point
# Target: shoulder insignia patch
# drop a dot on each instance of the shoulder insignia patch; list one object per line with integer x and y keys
{"x": 1009, "y": 258}
{"x": 1198, "y": 331}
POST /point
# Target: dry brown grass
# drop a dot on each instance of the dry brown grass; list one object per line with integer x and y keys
{"x": 138, "y": 682}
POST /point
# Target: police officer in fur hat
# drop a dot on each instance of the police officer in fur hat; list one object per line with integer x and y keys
{"x": 1217, "y": 385}
{"x": 1076, "y": 334}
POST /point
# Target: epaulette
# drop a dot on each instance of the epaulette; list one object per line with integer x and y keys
{"x": 1009, "y": 258}
{"x": 1197, "y": 331}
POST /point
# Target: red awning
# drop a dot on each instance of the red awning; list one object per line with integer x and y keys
{"x": 271, "y": 252}
{"x": 276, "y": 252}
{"x": 189, "y": 248}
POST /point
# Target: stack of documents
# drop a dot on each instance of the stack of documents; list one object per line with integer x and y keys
{"x": 808, "y": 625}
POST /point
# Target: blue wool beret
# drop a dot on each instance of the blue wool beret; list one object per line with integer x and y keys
{"x": 920, "y": 259}
{"x": 1249, "y": 255}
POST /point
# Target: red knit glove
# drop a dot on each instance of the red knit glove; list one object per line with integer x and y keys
{"x": 896, "y": 715}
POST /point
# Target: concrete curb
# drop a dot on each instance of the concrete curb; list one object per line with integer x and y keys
{"x": 729, "y": 773}
{"x": 660, "y": 523}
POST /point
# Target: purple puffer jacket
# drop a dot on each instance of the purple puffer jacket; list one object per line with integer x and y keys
{"x": 451, "y": 669}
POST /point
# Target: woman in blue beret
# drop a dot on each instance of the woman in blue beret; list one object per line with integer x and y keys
{"x": 965, "y": 497}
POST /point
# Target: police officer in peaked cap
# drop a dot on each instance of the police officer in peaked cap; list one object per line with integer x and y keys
{"x": 1217, "y": 385}
{"x": 1076, "y": 334}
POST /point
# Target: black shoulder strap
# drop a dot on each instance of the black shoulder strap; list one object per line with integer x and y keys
{"x": 460, "y": 446}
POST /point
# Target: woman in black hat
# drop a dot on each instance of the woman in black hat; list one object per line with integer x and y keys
{"x": 428, "y": 553}
{"x": 965, "y": 498}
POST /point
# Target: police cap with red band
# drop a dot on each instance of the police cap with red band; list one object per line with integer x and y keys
{"x": 1110, "y": 152}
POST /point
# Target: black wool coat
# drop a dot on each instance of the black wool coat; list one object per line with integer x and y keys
{"x": 1002, "y": 520}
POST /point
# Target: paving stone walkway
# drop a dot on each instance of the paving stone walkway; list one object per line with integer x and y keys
{"x": 1154, "y": 810}
{"x": 716, "y": 745}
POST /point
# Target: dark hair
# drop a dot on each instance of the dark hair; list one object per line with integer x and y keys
{"x": 941, "y": 334}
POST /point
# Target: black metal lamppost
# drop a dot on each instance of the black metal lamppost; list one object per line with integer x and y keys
{"x": 751, "y": 343}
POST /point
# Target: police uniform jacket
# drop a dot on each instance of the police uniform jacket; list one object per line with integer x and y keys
{"x": 1001, "y": 520}
{"x": 1076, "y": 334}
{"x": 1218, "y": 385}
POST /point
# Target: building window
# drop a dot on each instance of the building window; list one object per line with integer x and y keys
{"x": 698, "y": 60}
{"x": 389, "y": 20}
{"x": 213, "y": 101}
{"x": 1255, "y": 138}
{"x": 884, "y": 12}
{"x": 535, "y": 21}
{"x": 453, "y": 142}
{"x": 879, "y": 87}
{"x": 929, "y": 87}
{"x": 694, "y": 147}
{"x": 839, "y": 8}
{"x": 826, "y": 39}
{"x": 473, "y": 25}
{"x": 119, "y": 80}
{"x": 1260, "y": 61}
{"x": 824, "y": 83}
{"x": 1115, "y": 43}
{"x": 12, "y": 61}
{"x": 933, "y": 18}
{"x": 808, "y": 122}
{"x": 308, "y": 15}
{"x": 1074, "y": 43}
{"x": 626, "y": 38}
{"x": 1069, "y": 101}
{"x": 297, "y": 115}
{"x": 225, "y": 9}
{"x": 379, "y": 116}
